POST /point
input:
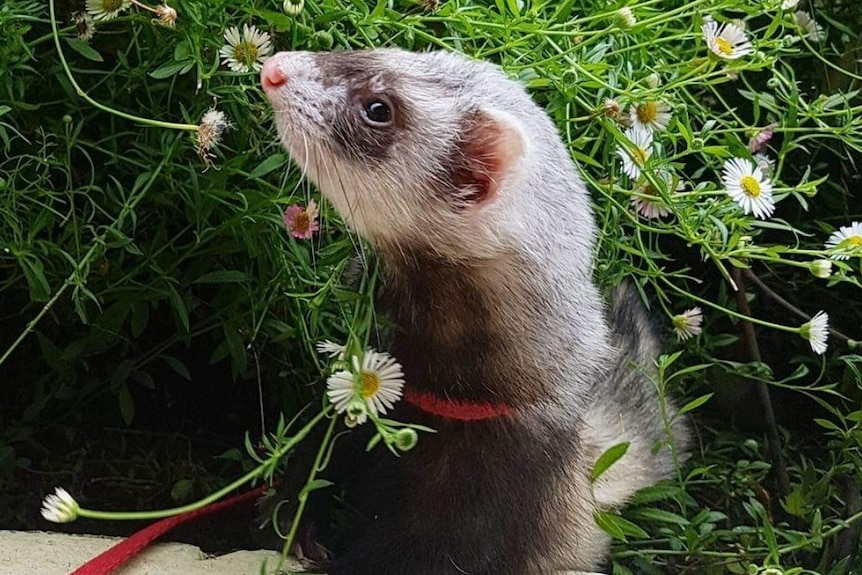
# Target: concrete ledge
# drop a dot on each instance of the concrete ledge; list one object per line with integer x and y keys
{"x": 41, "y": 553}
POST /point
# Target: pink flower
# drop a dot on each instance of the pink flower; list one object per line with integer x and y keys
{"x": 648, "y": 202}
{"x": 759, "y": 139}
{"x": 301, "y": 222}
{"x": 650, "y": 209}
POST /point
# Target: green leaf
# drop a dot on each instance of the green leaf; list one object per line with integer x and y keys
{"x": 140, "y": 317}
{"x": 315, "y": 485}
{"x": 379, "y": 10}
{"x": 661, "y": 516}
{"x": 563, "y": 11}
{"x": 127, "y": 404}
{"x": 178, "y": 366}
{"x": 84, "y": 49}
{"x": 694, "y": 403}
{"x": 33, "y": 270}
{"x": 121, "y": 373}
{"x": 270, "y": 164}
{"x": 608, "y": 458}
{"x": 143, "y": 379}
{"x": 794, "y": 503}
{"x": 179, "y": 307}
{"x": 372, "y": 443}
{"x": 169, "y": 69}
{"x": 182, "y": 489}
{"x": 617, "y": 527}
{"x": 222, "y": 277}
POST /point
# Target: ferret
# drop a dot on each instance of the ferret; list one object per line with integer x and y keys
{"x": 485, "y": 235}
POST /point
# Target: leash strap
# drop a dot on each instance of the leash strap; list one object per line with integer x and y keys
{"x": 111, "y": 559}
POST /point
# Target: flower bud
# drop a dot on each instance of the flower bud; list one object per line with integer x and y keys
{"x": 406, "y": 439}
{"x": 293, "y": 7}
{"x": 323, "y": 40}
{"x": 625, "y": 18}
{"x": 821, "y": 268}
{"x": 356, "y": 408}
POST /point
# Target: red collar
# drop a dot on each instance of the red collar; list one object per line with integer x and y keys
{"x": 455, "y": 409}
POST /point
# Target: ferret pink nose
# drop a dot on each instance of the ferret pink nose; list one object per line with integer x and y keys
{"x": 271, "y": 75}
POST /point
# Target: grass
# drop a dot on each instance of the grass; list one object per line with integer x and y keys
{"x": 144, "y": 290}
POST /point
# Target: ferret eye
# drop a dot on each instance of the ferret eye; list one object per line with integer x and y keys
{"x": 377, "y": 113}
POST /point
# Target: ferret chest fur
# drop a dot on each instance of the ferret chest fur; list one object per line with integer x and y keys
{"x": 461, "y": 333}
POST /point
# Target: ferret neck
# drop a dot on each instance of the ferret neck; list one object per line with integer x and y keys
{"x": 453, "y": 340}
{"x": 459, "y": 410}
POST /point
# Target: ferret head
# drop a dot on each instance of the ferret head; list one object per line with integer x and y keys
{"x": 430, "y": 150}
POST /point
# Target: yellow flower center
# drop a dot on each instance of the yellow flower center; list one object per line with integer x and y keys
{"x": 302, "y": 222}
{"x": 369, "y": 384}
{"x": 750, "y": 186}
{"x": 245, "y": 53}
{"x": 724, "y": 46}
{"x": 647, "y": 112}
{"x": 639, "y": 157}
{"x": 649, "y": 190}
{"x": 112, "y": 5}
{"x": 854, "y": 241}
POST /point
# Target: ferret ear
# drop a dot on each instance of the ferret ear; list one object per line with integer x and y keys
{"x": 490, "y": 147}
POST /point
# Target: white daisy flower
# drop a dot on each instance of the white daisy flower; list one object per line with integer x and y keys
{"x": 687, "y": 324}
{"x": 378, "y": 383}
{"x": 821, "y": 269}
{"x": 651, "y": 115}
{"x": 726, "y": 40}
{"x": 60, "y": 507}
{"x": 293, "y": 7}
{"x": 813, "y": 30}
{"x": 748, "y": 187}
{"x": 847, "y": 240}
{"x": 330, "y": 348}
{"x": 816, "y": 331}
{"x": 789, "y": 4}
{"x": 106, "y": 9}
{"x": 247, "y": 51}
{"x": 84, "y": 27}
{"x": 634, "y": 160}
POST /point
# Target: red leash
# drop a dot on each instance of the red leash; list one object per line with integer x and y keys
{"x": 109, "y": 560}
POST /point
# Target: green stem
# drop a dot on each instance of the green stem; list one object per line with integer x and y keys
{"x": 146, "y": 121}
{"x": 729, "y": 311}
{"x": 253, "y": 474}
{"x": 303, "y": 495}
{"x": 33, "y": 322}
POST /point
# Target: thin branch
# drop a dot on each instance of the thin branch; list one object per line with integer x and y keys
{"x": 750, "y": 340}
{"x": 784, "y": 303}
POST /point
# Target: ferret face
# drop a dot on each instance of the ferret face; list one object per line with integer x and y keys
{"x": 400, "y": 143}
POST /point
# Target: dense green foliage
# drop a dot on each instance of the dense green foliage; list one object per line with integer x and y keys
{"x": 133, "y": 274}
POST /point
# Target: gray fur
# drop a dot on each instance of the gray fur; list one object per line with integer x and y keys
{"x": 495, "y": 302}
